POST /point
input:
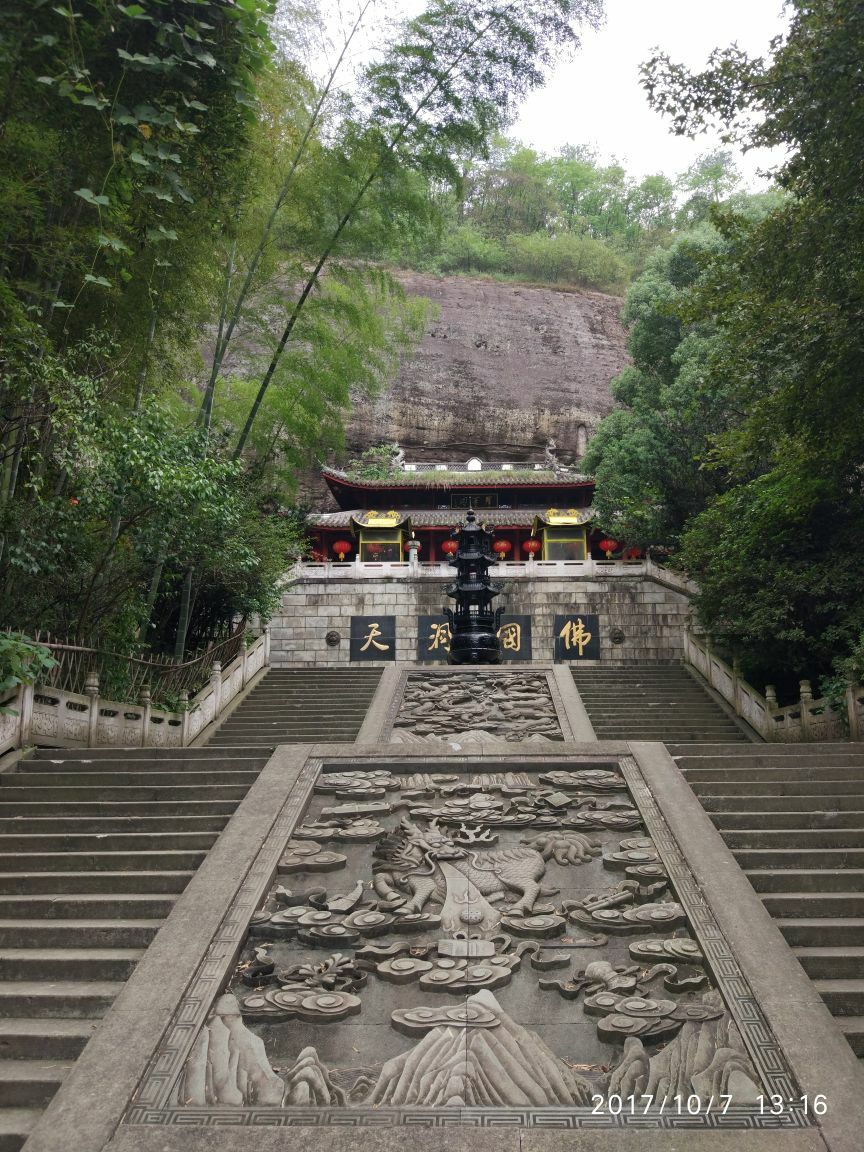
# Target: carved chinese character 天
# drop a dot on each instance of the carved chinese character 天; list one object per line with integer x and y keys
{"x": 373, "y": 637}
{"x": 577, "y": 637}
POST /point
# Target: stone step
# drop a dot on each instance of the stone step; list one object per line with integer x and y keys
{"x": 246, "y": 764}
{"x": 746, "y": 821}
{"x": 843, "y": 997}
{"x": 56, "y": 826}
{"x": 92, "y": 964}
{"x": 73, "y": 999}
{"x": 304, "y": 724}
{"x": 794, "y": 751}
{"x": 853, "y": 1029}
{"x": 774, "y": 777}
{"x": 30, "y": 1083}
{"x": 10, "y": 782}
{"x": 805, "y": 839}
{"x": 772, "y": 802}
{"x": 807, "y": 880}
{"x": 87, "y": 906}
{"x": 77, "y": 883}
{"x": 43, "y": 1039}
{"x": 746, "y": 789}
{"x": 29, "y": 791}
{"x": 831, "y": 963}
{"x": 16, "y": 1124}
{"x": 151, "y": 808}
{"x": 122, "y": 754}
{"x": 101, "y": 843}
{"x": 77, "y": 933}
{"x": 98, "y": 861}
{"x": 812, "y": 905}
{"x": 785, "y": 858}
{"x": 823, "y": 932}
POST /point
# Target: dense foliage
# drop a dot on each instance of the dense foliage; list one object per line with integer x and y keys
{"x": 173, "y": 166}
{"x": 563, "y": 219}
{"x": 774, "y": 532}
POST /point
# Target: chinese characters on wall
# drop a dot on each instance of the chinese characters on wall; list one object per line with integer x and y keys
{"x": 576, "y": 636}
{"x": 433, "y": 638}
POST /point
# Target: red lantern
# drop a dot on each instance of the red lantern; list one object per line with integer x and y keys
{"x": 502, "y": 547}
{"x": 633, "y": 554}
{"x": 373, "y": 549}
{"x": 532, "y": 546}
{"x": 450, "y": 547}
{"x": 607, "y": 546}
{"x": 341, "y": 548}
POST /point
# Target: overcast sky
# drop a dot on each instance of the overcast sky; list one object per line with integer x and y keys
{"x": 595, "y": 97}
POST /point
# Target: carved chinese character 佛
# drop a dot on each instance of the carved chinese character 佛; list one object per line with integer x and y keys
{"x": 575, "y": 635}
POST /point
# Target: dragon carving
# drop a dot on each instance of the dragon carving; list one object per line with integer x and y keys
{"x": 418, "y": 864}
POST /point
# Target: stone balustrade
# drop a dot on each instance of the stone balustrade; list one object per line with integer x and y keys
{"x": 808, "y": 720}
{"x": 55, "y": 718}
{"x": 508, "y": 570}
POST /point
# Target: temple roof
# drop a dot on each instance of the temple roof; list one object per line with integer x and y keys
{"x": 445, "y": 517}
{"x": 459, "y": 477}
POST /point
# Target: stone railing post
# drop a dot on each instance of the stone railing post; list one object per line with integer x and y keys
{"x": 91, "y": 687}
{"x": 243, "y": 658}
{"x": 770, "y": 709}
{"x": 736, "y": 686}
{"x": 413, "y": 548}
{"x": 852, "y": 711}
{"x": 709, "y": 653}
{"x": 216, "y": 685}
{"x": 24, "y": 704}
{"x": 184, "y": 719}
{"x": 806, "y": 700}
{"x": 144, "y": 701}
{"x": 266, "y": 645}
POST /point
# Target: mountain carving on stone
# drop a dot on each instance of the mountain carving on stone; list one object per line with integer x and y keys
{"x": 503, "y": 1065}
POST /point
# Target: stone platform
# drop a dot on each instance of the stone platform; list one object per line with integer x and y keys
{"x": 614, "y": 948}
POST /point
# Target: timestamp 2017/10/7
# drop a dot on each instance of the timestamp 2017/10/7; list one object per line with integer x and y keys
{"x": 642, "y": 1104}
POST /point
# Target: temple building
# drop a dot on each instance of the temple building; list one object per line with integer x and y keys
{"x": 536, "y": 511}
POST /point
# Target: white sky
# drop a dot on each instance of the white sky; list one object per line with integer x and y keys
{"x": 595, "y": 97}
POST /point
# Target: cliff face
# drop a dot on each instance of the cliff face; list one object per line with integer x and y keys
{"x": 503, "y": 368}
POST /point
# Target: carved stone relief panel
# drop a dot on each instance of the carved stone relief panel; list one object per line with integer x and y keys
{"x": 500, "y": 937}
{"x": 512, "y": 706}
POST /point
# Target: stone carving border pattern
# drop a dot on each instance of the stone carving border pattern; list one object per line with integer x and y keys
{"x": 155, "y": 1088}
{"x": 150, "y": 1104}
{"x": 571, "y": 1118}
{"x": 765, "y": 1051}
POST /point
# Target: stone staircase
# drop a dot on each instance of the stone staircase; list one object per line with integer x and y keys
{"x": 793, "y": 817}
{"x": 300, "y": 706}
{"x": 95, "y": 846}
{"x": 657, "y": 702}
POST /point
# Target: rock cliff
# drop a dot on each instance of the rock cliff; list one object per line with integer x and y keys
{"x": 502, "y": 368}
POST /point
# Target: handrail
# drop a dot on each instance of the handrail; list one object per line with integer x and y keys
{"x": 125, "y": 676}
{"x": 809, "y": 719}
{"x": 55, "y": 717}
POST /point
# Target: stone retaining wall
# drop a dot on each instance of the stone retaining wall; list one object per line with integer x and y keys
{"x": 653, "y": 618}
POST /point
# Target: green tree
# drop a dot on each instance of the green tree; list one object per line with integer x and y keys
{"x": 779, "y": 554}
